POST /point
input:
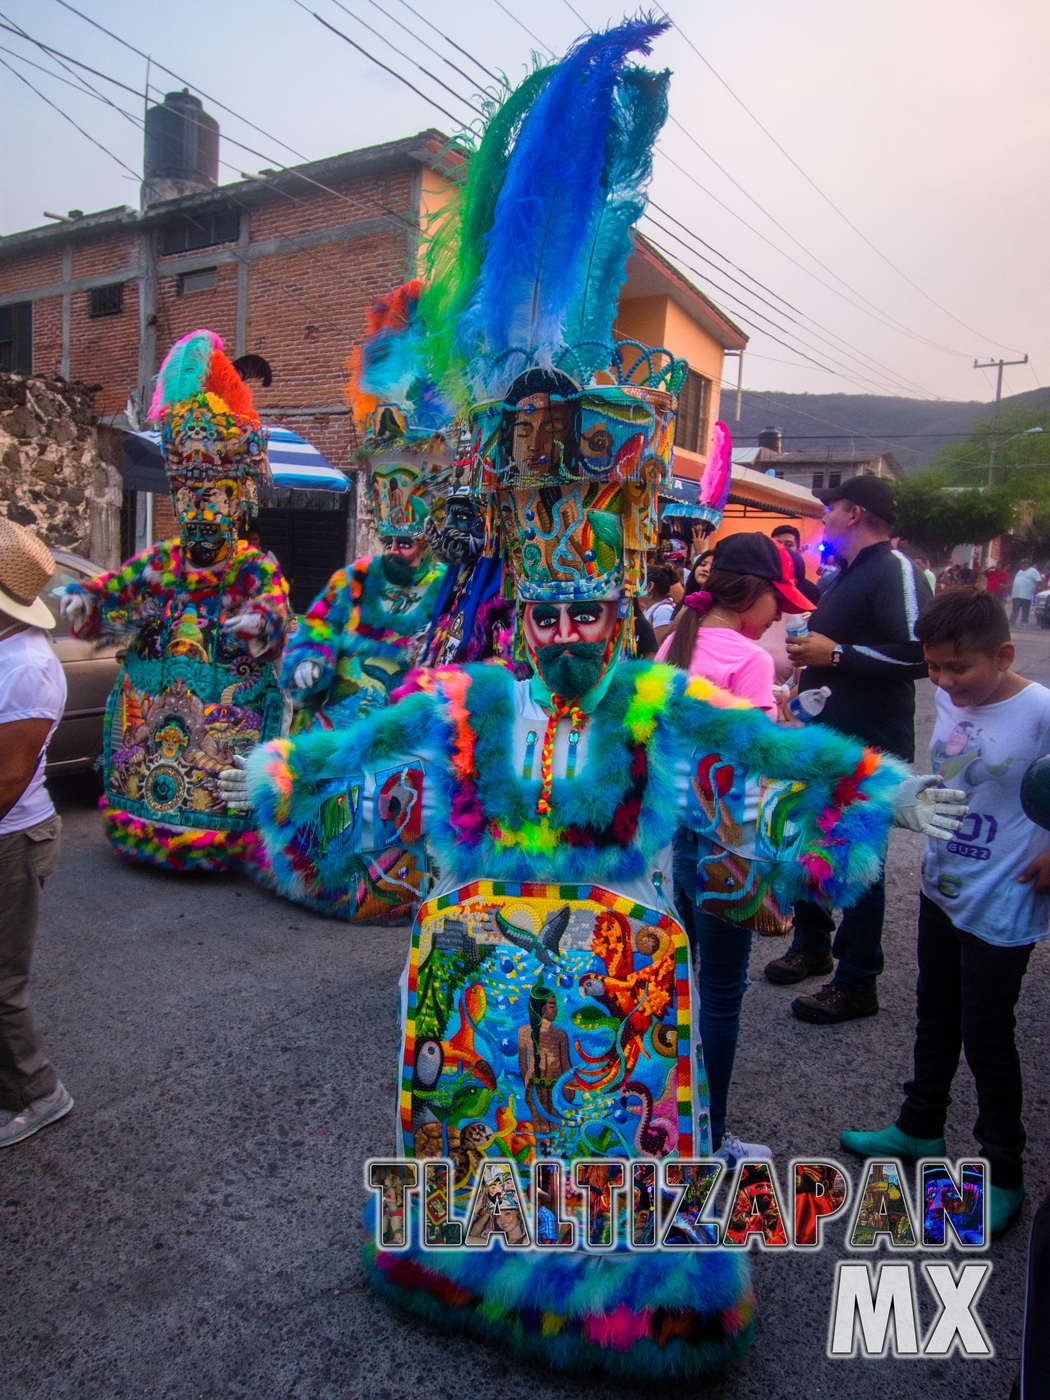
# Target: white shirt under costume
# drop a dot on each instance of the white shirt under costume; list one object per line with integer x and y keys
{"x": 32, "y": 686}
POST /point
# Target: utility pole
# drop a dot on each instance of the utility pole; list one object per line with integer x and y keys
{"x": 994, "y": 446}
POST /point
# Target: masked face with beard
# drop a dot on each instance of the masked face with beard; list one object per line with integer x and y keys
{"x": 569, "y": 643}
{"x": 401, "y": 560}
{"x": 455, "y": 530}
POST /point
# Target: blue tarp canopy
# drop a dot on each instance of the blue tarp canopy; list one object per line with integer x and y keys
{"x": 294, "y": 464}
{"x": 680, "y": 498}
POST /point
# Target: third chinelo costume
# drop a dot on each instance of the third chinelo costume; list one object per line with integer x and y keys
{"x": 547, "y": 1010}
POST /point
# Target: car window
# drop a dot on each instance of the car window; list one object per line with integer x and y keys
{"x": 52, "y": 592}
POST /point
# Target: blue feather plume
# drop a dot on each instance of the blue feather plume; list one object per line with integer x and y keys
{"x": 550, "y": 206}
{"x": 640, "y": 110}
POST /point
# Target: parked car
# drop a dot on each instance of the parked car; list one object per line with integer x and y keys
{"x": 1041, "y": 608}
{"x": 90, "y": 671}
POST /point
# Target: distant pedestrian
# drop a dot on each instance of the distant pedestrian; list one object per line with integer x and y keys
{"x": 1026, "y": 585}
{"x": 996, "y": 580}
{"x": 32, "y": 698}
{"x": 923, "y": 561}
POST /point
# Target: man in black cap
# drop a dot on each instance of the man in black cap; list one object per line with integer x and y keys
{"x": 861, "y": 645}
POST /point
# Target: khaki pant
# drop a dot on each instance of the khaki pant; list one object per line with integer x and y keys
{"x": 27, "y": 858}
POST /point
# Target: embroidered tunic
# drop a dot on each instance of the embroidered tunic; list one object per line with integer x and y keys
{"x": 190, "y": 696}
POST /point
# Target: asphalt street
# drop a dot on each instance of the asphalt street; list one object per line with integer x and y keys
{"x": 192, "y": 1228}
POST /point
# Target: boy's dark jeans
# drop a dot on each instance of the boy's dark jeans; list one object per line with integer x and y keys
{"x": 858, "y": 942}
{"x": 966, "y": 996}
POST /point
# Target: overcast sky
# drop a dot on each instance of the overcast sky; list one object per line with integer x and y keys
{"x": 925, "y": 122}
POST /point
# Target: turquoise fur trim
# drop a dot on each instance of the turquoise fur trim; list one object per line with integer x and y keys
{"x": 576, "y": 1311}
{"x": 422, "y": 724}
{"x": 348, "y": 619}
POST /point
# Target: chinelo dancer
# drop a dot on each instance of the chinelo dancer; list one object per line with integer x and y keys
{"x": 360, "y": 637}
{"x": 206, "y": 615}
{"x": 546, "y": 1005}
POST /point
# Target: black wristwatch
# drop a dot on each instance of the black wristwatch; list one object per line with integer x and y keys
{"x": 836, "y": 655}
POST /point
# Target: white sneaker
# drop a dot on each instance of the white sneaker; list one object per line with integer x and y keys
{"x": 38, "y": 1115}
{"x": 733, "y": 1151}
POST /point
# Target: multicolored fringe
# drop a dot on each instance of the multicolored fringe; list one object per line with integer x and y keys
{"x": 653, "y": 1317}
{"x": 608, "y": 822}
{"x": 177, "y": 848}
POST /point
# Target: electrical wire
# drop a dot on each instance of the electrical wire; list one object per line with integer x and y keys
{"x": 22, "y": 78}
{"x": 408, "y": 59}
{"x": 420, "y": 40}
{"x": 372, "y": 58}
{"x": 899, "y": 381}
{"x": 522, "y": 25}
{"x": 430, "y": 24}
{"x": 172, "y": 74}
{"x": 827, "y": 200}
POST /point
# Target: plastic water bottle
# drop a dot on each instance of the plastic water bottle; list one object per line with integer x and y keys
{"x": 809, "y": 703}
{"x": 796, "y": 625}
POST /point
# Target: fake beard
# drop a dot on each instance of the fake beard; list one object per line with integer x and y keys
{"x": 571, "y": 669}
{"x": 400, "y": 572}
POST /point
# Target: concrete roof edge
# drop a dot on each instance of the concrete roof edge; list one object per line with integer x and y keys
{"x": 424, "y": 148}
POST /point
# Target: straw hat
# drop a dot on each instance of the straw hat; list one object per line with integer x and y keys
{"x": 25, "y": 566}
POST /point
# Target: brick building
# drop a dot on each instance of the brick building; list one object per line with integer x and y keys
{"x": 281, "y": 265}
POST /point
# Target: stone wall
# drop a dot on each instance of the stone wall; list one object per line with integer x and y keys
{"x": 59, "y": 472}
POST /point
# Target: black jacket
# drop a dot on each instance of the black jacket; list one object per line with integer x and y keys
{"x": 871, "y": 609}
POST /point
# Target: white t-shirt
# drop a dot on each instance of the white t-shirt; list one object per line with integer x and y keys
{"x": 1026, "y": 583}
{"x": 659, "y": 614}
{"x": 32, "y": 686}
{"x": 985, "y": 750}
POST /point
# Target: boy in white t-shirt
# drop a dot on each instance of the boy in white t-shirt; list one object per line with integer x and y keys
{"x": 985, "y": 895}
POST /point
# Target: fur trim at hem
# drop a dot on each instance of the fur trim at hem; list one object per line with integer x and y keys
{"x": 177, "y": 848}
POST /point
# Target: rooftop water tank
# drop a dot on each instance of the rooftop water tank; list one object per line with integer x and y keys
{"x": 771, "y": 438}
{"x": 182, "y": 149}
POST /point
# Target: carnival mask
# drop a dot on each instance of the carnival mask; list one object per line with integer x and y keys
{"x": 455, "y": 530}
{"x": 570, "y": 644}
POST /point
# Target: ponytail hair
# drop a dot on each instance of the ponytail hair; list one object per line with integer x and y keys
{"x": 724, "y": 589}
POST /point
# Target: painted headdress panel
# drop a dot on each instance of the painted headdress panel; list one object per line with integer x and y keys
{"x": 214, "y": 446}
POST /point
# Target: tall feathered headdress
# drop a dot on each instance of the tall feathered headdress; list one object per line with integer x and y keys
{"x": 208, "y": 422}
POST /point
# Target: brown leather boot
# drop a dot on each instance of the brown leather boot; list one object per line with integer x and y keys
{"x": 833, "y": 1004}
{"x": 796, "y": 966}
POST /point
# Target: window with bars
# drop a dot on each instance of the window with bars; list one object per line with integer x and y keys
{"x": 106, "y": 301}
{"x": 694, "y": 406}
{"x": 834, "y": 479}
{"x": 16, "y": 337}
{"x": 203, "y": 230}
{"x": 818, "y": 481}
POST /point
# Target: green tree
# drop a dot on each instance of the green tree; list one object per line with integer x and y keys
{"x": 938, "y": 516}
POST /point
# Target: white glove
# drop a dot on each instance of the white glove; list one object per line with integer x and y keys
{"x": 233, "y": 784}
{"x": 306, "y": 675}
{"x": 75, "y": 608}
{"x": 934, "y": 811}
{"x": 248, "y": 624}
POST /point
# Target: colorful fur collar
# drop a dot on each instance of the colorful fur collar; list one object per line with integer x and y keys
{"x": 609, "y": 822}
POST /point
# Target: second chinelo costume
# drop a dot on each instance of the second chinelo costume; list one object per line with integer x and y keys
{"x": 205, "y": 615}
{"x": 546, "y": 1005}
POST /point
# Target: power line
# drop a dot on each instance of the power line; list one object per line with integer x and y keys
{"x": 477, "y": 63}
{"x": 408, "y": 59}
{"x": 378, "y": 62}
{"x": 799, "y": 244}
{"x": 172, "y": 74}
{"x": 810, "y": 181}
{"x": 420, "y": 40}
{"x": 22, "y": 78}
{"x": 894, "y": 376}
{"x": 848, "y": 373}
{"x": 522, "y": 25}
{"x": 882, "y": 318}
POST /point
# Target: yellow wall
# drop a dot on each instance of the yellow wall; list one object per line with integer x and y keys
{"x": 434, "y": 194}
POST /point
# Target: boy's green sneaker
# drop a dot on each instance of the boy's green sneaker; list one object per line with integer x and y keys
{"x": 891, "y": 1142}
{"x": 1004, "y": 1206}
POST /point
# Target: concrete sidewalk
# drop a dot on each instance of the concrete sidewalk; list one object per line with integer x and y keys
{"x": 192, "y": 1228}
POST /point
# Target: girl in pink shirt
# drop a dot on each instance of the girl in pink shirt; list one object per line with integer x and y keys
{"x": 751, "y": 583}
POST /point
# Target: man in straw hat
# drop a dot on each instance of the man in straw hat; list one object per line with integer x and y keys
{"x": 32, "y": 698}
